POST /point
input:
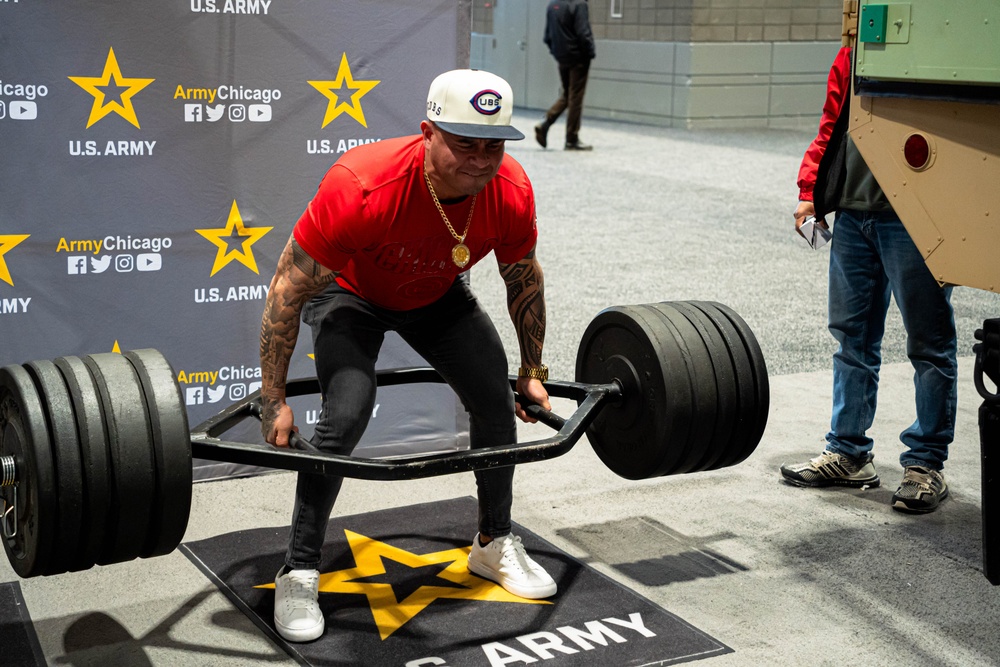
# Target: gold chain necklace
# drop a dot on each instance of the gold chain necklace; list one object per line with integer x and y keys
{"x": 460, "y": 253}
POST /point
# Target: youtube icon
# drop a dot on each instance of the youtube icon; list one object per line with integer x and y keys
{"x": 259, "y": 113}
{"x": 22, "y": 110}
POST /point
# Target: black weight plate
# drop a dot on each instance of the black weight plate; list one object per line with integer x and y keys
{"x": 66, "y": 461}
{"x": 725, "y": 384}
{"x": 171, "y": 450}
{"x": 24, "y": 435}
{"x": 723, "y": 375}
{"x": 746, "y": 414}
{"x": 745, "y": 389}
{"x": 95, "y": 460}
{"x": 680, "y": 395}
{"x": 695, "y": 361}
{"x": 131, "y": 447}
{"x": 761, "y": 382}
{"x": 635, "y": 437}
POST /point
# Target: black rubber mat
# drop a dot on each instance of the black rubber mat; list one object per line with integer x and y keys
{"x": 395, "y": 590}
{"x": 18, "y": 641}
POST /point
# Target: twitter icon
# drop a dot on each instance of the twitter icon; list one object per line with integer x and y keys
{"x": 214, "y": 114}
{"x": 216, "y": 394}
{"x": 100, "y": 264}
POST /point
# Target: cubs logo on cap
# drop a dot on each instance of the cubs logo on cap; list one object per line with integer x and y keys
{"x": 472, "y": 103}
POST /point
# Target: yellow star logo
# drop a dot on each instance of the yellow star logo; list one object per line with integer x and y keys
{"x": 234, "y": 231}
{"x": 329, "y": 89}
{"x": 8, "y": 241}
{"x": 452, "y": 581}
{"x": 121, "y": 90}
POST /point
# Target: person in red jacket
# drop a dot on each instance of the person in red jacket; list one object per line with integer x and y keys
{"x": 873, "y": 259}
{"x": 383, "y": 246}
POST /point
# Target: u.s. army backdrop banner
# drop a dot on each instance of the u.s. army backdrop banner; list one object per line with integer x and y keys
{"x": 154, "y": 156}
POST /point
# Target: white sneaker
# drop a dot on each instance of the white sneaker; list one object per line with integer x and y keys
{"x": 504, "y": 561}
{"x": 297, "y": 616}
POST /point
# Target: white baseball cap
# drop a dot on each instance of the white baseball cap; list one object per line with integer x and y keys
{"x": 472, "y": 103}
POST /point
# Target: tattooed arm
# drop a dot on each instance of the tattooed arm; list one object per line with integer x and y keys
{"x": 298, "y": 278}
{"x": 526, "y": 303}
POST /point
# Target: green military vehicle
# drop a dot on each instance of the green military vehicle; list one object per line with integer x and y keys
{"x": 925, "y": 114}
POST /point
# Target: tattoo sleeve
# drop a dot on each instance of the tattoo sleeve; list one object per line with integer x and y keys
{"x": 526, "y": 303}
{"x": 297, "y": 279}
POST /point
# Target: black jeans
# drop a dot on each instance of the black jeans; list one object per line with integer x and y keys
{"x": 574, "y": 84}
{"x": 454, "y": 335}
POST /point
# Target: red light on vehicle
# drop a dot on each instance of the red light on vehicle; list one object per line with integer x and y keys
{"x": 916, "y": 151}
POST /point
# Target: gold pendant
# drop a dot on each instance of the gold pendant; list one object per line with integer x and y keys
{"x": 460, "y": 255}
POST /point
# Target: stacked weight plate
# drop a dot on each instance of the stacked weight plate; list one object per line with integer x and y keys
{"x": 695, "y": 388}
{"x": 102, "y": 456}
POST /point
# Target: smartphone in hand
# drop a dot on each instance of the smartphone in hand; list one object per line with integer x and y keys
{"x": 815, "y": 232}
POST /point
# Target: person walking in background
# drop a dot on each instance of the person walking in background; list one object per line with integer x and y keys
{"x": 568, "y": 36}
{"x": 872, "y": 257}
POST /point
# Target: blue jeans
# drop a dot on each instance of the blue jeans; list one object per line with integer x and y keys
{"x": 457, "y": 337}
{"x": 871, "y": 256}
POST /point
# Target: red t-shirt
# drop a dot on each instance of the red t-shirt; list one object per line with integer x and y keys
{"x": 373, "y": 220}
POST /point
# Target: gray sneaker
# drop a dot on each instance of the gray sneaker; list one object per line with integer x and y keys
{"x": 921, "y": 491}
{"x": 832, "y": 469}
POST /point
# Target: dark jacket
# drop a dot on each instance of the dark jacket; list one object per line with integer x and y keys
{"x": 833, "y": 174}
{"x": 567, "y": 31}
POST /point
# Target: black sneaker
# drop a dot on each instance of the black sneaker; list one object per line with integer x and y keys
{"x": 832, "y": 469}
{"x": 577, "y": 146}
{"x": 921, "y": 491}
{"x": 542, "y": 135}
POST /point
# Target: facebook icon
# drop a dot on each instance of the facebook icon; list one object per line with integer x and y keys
{"x": 76, "y": 264}
{"x": 194, "y": 396}
{"x": 192, "y": 113}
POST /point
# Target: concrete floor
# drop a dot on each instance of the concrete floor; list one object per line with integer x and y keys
{"x": 782, "y": 575}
